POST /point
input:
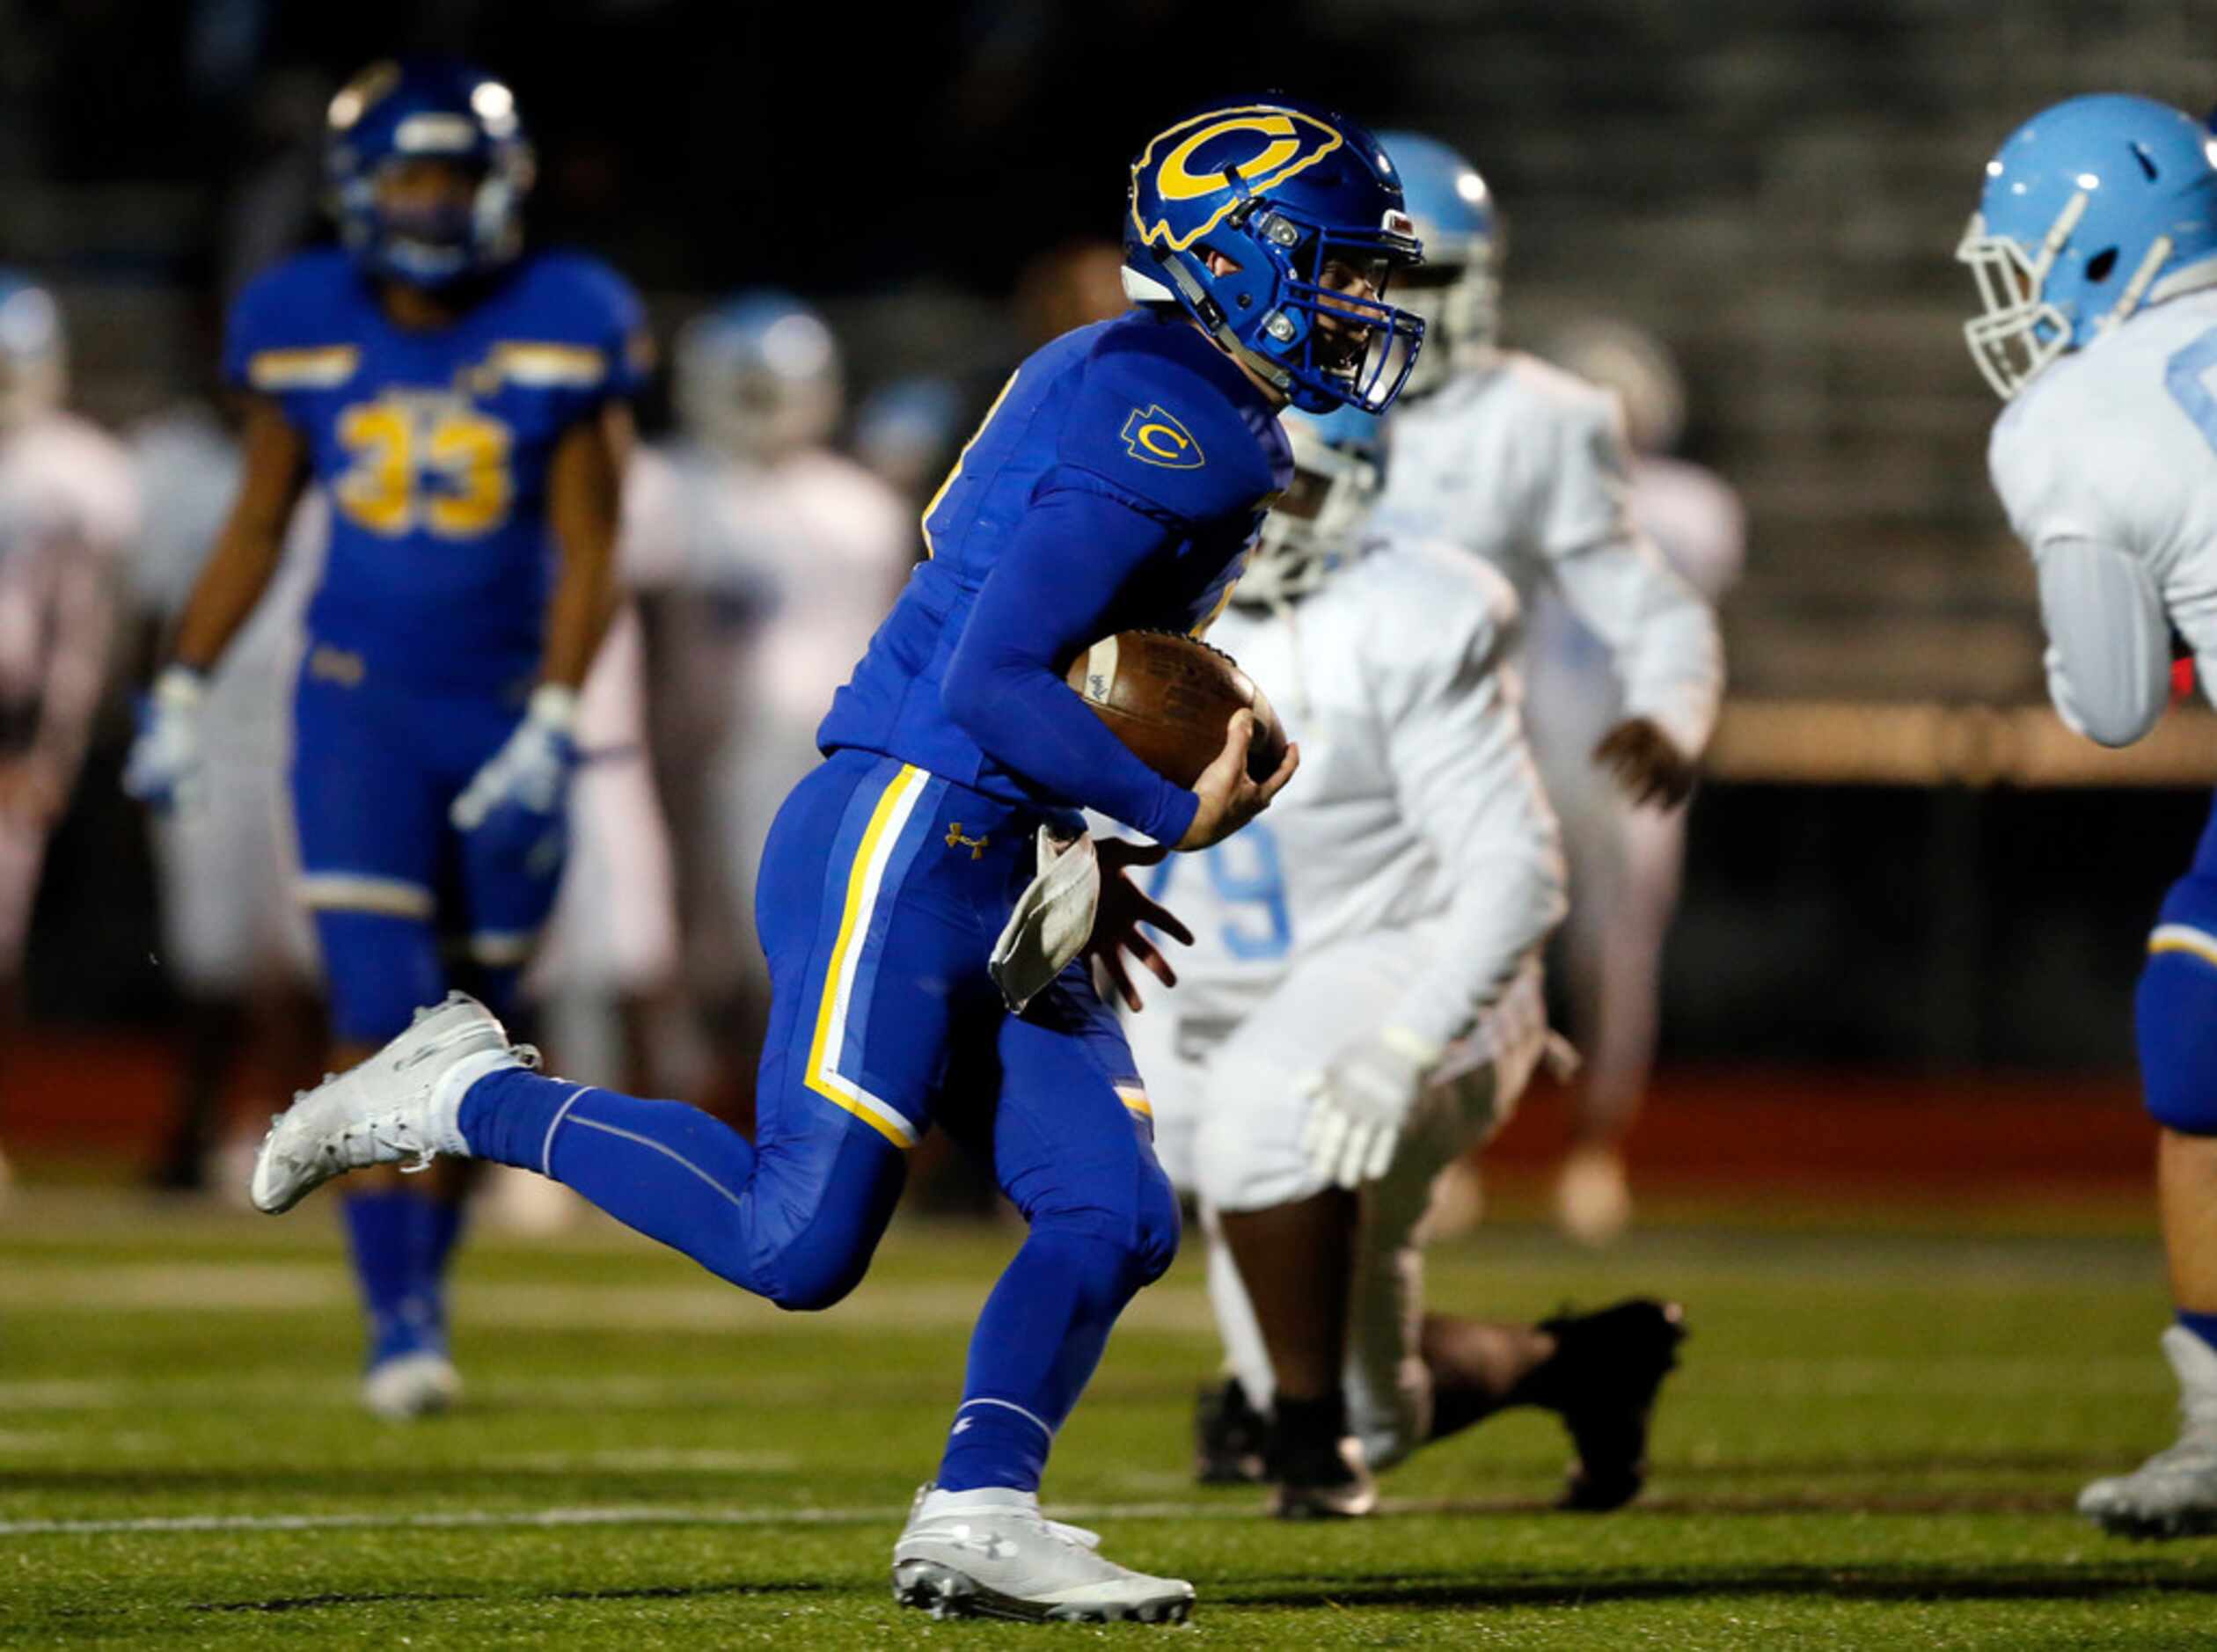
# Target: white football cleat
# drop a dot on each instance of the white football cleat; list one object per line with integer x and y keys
{"x": 2174, "y": 1494}
{"x": 990, "y": 1553}
{"x": 400, "y": 1105}
{"x": 410, "y": 1385}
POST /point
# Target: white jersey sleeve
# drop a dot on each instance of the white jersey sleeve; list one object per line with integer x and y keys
{"x": 1450, "y": 703}
{"x": 1586, "y": 484}
{"x": 1526, "y": 465}
{"x": 1663, "y": 638}
{"x": 1660, "y": 633}
{"x": 2109, "y": 646}
{"x": 2106, "y": 464}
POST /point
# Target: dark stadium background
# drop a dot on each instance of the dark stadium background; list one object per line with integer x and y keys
{"x": 1893, "y": 1166}
{"x": 1775, "y": 191}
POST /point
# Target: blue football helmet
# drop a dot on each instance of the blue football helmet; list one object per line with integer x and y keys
{"x": 758, "y": 376}
{"x": 1300, "y": 200}
{"x": 33, "y": 353}
{"x": 2091, "y": 210}
{"x": 1339, "y": 465}
{"x": 427, "y": 109}
{"x": 1458, "y": 291}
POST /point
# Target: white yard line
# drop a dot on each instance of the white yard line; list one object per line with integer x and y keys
{"x": 1756, "y": 1380}
{"x": 888, "y": 1517}
{"x": 495, "y": 1519}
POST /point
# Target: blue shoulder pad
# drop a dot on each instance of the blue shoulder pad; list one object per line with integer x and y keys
{"x": 1158, "y": 423}
{"x": 572, "y": 298}
{"x": 294, "y": 325}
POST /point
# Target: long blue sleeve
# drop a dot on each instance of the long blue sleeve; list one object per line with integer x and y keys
{"x": 1052, "y": 593}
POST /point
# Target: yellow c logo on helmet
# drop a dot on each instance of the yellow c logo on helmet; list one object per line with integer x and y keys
{"x": 1265, "y": 144}
{"x": 1172, "y": 182}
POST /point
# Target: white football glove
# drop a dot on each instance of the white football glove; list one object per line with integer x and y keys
{"x": 531, "y": 770}
{"x": 1053, "y": 919}
{"x": 163, "y": 768}
{"x": 1358, "y": 1104}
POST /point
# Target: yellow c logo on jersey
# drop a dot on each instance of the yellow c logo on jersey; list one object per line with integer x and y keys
{"x": 1156, "y": 437}
{"x": 1265, "y": 145}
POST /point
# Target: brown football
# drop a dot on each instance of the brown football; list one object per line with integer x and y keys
{"x": 1168, "y": 698}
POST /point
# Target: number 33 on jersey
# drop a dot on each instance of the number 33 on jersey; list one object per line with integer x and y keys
{"x": 433, "y": 448}
{"x": 434, "y": 463}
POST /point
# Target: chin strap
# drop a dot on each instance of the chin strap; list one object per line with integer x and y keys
{"x": 1211, "y": 316}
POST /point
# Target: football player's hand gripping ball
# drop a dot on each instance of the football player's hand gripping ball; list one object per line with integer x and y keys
{"x": 1230, "y": 797}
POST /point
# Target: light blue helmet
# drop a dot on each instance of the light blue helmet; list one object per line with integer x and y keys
{"x": 907, "y": 431}
{"x": 758, "y": 376}
{"x": 1458, "y": 287}
{"x": 33, "y": 355}
{"x": 1339, "y": 464}
{"x": 2091, "y": 210}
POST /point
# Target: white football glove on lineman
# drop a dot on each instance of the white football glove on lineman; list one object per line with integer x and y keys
{"x": 1358, "y": 1104}
{"x": 164, "y": 767}
{"x": 531, "y": 770}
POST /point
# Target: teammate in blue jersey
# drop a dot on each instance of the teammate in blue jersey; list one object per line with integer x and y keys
{"x": 460, "y": 405}
{"x": 1115, "y": 484}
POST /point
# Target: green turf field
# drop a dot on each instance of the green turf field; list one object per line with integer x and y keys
{"x": 1873, "y": 1442}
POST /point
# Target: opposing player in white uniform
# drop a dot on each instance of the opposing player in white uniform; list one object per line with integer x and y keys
{"x": 68, "y": 509}
{"x": 1526, "y": 466}
{"x": 1362, "y": 1005}
{"x": 1625, "y": 860}
{"x": 782, "y": 556}
{"x": 2094, "y": 247}
{"x": 1519, "y": 461}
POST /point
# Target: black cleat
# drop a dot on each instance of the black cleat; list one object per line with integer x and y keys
{"x": 1229, "y": 1437}
{"x": 1319, "y": 1483}
{"x": 1607, "y": 1368}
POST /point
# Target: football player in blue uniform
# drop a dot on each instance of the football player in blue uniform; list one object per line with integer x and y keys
{"x": 1115, "y": 484}
{"x": 461, "y": 405}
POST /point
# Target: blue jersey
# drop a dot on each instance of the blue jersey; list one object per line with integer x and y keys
{"x": 434, "y": 448}
{"x": 1115, "y": 485}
